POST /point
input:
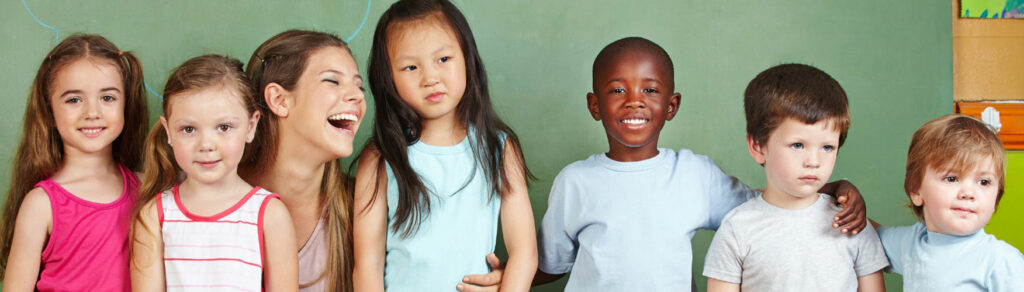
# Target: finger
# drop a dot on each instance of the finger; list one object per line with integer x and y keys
{"x": 844, "y": 216}
{"x": 473, "y": 288}
{"x": 856, "y": 225}
{"x": 493, "y": 261}
{"x": 489, "y": 279}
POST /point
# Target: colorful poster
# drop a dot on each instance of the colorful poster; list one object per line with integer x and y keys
{"x": 992, "y": 9}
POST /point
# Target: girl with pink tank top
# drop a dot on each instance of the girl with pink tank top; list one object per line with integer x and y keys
{"x": 66, "y": 218}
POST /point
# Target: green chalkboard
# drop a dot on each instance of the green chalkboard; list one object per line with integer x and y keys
{"x": 892, "y": 57}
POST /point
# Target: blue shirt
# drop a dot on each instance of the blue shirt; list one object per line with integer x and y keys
{"x": 461, "y": 229}
{"x": 932, "y": 261}
{"x": 627, "y": 226}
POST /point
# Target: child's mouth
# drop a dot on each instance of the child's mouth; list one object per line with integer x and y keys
{"x": 635, "y": 123}
{"x": 344, "y": 121}
{"x": 208, "y": 164}
{"x": 92, "y": 132}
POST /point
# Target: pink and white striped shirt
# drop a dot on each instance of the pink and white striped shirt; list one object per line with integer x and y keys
{"x": 223, "y": 252}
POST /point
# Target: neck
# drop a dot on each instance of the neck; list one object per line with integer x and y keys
{"x": 623, "y": 153}
{"x": 781, "y": 199}
{"x": 228, "y": 186}
{"x": 90, "y": 164}
{"x": 445, "y": 131}
{"x": 295, "y": 177}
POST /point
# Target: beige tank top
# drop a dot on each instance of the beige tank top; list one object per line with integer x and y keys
{"x": 312, "y": 259}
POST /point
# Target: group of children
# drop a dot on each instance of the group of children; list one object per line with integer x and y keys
{"x": 441, "y": 171}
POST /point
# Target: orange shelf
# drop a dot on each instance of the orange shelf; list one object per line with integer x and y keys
{"x": 1011, "y": 116}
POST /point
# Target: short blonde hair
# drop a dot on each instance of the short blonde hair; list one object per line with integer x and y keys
{"x": 952, "y": 142}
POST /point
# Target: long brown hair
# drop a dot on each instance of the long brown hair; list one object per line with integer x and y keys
{"x": 160, "y": 171}
{"x": 281, "y": 60}
{"x": 41, "y": 151}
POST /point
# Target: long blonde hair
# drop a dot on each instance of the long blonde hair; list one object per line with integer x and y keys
{"x": 41, "y": 151}
{"x": 281, "y": 60}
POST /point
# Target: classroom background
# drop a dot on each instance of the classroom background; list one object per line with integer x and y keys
{"x": 902, "y": 63}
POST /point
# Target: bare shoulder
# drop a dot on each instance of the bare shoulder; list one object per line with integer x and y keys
{"x": 36, "y": 206}
{"x": 276, "y": 211}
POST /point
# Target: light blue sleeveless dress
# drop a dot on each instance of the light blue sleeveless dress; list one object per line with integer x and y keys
{"x": 461, "y": 229}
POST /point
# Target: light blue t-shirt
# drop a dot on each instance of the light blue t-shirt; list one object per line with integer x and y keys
{"x": 461, "y": 229}
{"x": 627, "y": 226}
{"x": 932, "y": 261}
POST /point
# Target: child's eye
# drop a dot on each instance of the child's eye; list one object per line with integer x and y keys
{"x": 73, "y": 99}
{"x": 108, "y": 98}
{"x": 650, "y": 90}
{"x": 409, "y": 68}
{"x": 188, "y": 129}
{"x": 363, "y": 89}
{"x": 828, "y": 148}
{"x": 950, "y": 178}
{"x": 224, "y": 127}
{"x": 332, "y": 81}
{"x": 617, "y": 90}
{"x": 797, "y": 146}
{"x": 444, "y": 59}
{"x": 984, "y": 182}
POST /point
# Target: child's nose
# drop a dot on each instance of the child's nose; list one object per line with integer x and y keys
{"x": 813, "y": 160}
{"x": 965, "y": 194}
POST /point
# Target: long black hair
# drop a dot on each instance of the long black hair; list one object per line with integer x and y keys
{"x": 397, "y": 126}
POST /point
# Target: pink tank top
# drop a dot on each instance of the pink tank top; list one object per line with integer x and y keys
{"x": 88, "y": 246}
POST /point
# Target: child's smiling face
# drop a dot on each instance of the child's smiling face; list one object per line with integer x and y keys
{"x": 633, "y": 97}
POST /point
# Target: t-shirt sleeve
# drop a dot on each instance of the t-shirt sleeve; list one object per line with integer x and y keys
{"x": 724, "y": 261}
{"x": 725, "y": 192}
{"x": 870, "y": 253}
{"x": 557, "y": 245}
{"x": 896, "y": 242}
{"x": 1007, "y": 274}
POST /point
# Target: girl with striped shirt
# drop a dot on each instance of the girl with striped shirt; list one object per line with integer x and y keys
{"x": 212, "y": 231}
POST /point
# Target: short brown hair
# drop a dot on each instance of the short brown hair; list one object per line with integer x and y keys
{"x": 952, "y": 142}
{"x": 794, "y": 91}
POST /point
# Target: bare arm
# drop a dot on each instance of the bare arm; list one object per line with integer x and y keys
{"x": 853, "y": 218}
{"x": 369, "y": 224}
{"x": 147, "y": 260}
{"x": 31, "y": 229}
{"x": 871, "y": 282}
{"x": 715, "y": 285}
{"x": 281, "y": 258}
{"x": 517, "y": 225}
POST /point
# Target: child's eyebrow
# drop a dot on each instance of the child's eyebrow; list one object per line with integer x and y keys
{"x": 114, "y": 89}
{"x": 620, "y": 79}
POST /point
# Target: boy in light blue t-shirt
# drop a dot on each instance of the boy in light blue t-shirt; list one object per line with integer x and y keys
{"x": 797, "y": 118}
{"x": 623, "y": 220}
{"x": 956, "y": 170}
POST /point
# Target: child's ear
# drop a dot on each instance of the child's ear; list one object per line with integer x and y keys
{"x": 673, "y": 106}
{"x": 756, "y": 151}
{"x": 253, "y": 122}
{"x": 595, "y": 110}
{"x": 278, "y": 99}
{"x": 916, "y": 199}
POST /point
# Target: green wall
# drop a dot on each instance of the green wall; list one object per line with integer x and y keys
{"x": 892, "y": 57}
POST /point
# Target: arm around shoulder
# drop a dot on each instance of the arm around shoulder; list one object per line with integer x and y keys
{"x": 369, "y": 223}
{"x": 31, "y": 229}
{"x": 281, "y": 261}
{"x": 147, "y": 265}
{"x": 517, "y": 224}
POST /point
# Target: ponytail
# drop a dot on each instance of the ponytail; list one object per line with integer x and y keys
{"x": 159, "y": 173}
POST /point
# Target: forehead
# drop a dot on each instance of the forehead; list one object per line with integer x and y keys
{"x": 85, "y": 74}
{"x": 221, "y": 99}
{"x": 330, "y": 58}
{"x": 420, "y": 33}
{"x": 826, "y": 128}
{"x": 631, "y": 62}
